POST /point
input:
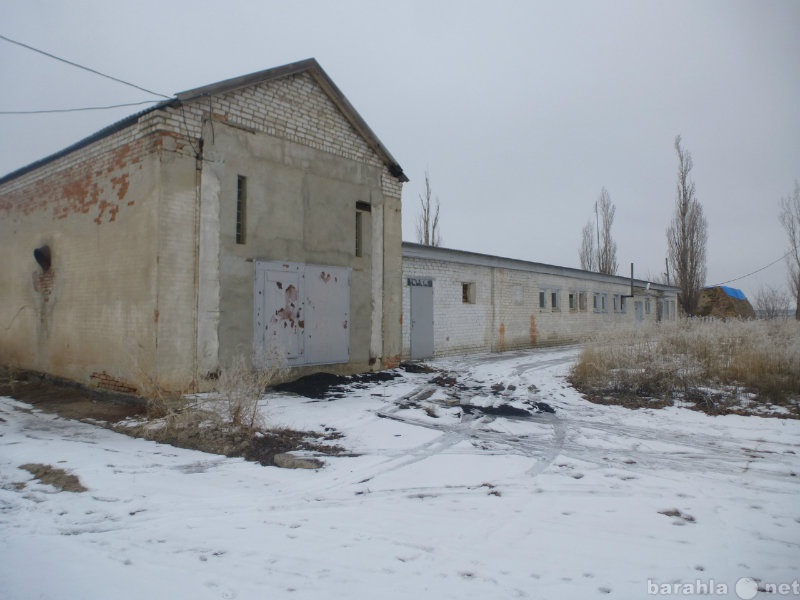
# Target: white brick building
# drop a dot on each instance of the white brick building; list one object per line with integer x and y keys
{"x": 458, "y": 302}
{"x": 256, "y": 215}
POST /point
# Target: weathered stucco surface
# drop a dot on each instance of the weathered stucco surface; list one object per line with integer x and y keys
{"x": 147, "y": 286}
{"x": 301, "y": 207}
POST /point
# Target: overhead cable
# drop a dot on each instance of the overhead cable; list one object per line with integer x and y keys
{"x": 777, "y": 260}
{"x": 67, "y": 110}
{"x": 69, "y": 62}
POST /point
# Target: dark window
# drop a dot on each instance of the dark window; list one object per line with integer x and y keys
{"x": 241, "y": 209}
{"x": 361, "y": 208}
{"x": 359, "y": 233}
{"x": 468, "y": 293}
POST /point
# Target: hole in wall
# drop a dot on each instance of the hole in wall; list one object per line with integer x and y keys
{"x": 43, "y": 257}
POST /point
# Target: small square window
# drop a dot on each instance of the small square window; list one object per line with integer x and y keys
{"x": 600, "y": 302}
{"x": 468, "y": 293}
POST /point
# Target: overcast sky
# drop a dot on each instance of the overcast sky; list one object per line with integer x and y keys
{"x": 521, "y": 111}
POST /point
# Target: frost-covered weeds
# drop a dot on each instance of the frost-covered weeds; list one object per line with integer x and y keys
{"x": 225, "y": 421}
{"x": 748, "y": 367}
{"x": 240, "y": 389}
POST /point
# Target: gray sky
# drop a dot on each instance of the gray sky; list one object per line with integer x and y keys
{"x": 521, "y": 111}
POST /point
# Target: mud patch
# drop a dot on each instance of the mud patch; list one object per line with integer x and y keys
{"x": 327, "y": 386}
{"x": 507, "y": 410}
{"x": 70, "y": 400}
{"x": 258, "y": 446}
{"x": 265, "y": 446}
{"x": 58, "y": 478}
{"x": 410, "y": 367}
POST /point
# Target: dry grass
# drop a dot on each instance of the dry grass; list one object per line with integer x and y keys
{"x": 240, "y": 389}
{"x": 224, "y": 421}
{"x": 718, "y": 365}
{"x": 51, "y": 475}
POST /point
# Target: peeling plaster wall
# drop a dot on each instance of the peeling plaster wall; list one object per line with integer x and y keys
{"x": 92, "y": 316}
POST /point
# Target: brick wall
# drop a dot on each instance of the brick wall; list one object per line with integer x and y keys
{"x": 507, "y": 314}
{"x": 93, "y": 310}
{"x": 458, "y": 327}
{"x": 293, "y": 108}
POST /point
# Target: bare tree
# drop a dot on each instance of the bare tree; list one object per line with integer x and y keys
{"x": 772, "y": 302}
{"x": 428, "y": 221}
{"x": 588, "y": 255}
{"x": 607, "y": 247}
{"x": 602, "y": 256}
{"x": 790, "y": 219}
{"x": 687, "y": 236}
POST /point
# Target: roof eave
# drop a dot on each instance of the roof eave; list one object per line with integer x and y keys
{"x": 413, "y": 250}
{"x": 96, "y": 136}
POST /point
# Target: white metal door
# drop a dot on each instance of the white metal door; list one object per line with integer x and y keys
{"x": 421, "y": 318}
{"x": 301, "y": 314}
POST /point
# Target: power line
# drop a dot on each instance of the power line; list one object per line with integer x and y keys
{"x": 58, "y": 58}
{"x": 67, "y": 110}
{"x": 756, "y": 271}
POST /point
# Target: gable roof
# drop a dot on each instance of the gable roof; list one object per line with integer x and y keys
{"x": 310, "y": 66}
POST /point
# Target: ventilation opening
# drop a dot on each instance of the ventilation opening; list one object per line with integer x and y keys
{"x": 42, "y": 256}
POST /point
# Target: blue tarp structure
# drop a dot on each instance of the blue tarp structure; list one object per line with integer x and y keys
{"x": 733, "y": 292}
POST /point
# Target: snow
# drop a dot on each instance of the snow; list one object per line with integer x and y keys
{"x": 563, "y": 505}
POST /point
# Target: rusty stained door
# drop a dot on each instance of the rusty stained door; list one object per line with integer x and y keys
{"x": 301, "y": 314}
{"x": 278, "y": 332}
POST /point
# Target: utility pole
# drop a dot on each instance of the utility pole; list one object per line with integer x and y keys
{"x": 597, "y": 224}
{"x": 666, "y": 262}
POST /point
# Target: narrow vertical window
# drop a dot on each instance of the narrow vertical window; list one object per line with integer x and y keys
{"x": 359, "y": 233}
{"x": 361, "y": 208}
{"x": 241, "y": 209}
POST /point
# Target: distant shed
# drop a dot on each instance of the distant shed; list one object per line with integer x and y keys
{"x": 723, "y": 302}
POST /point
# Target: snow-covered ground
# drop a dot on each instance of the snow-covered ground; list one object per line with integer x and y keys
{"x": 558, "y": 505}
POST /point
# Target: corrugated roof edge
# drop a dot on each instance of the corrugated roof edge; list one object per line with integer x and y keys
{"x": 309, "y": 65}
{"x": 412, "y": 250}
